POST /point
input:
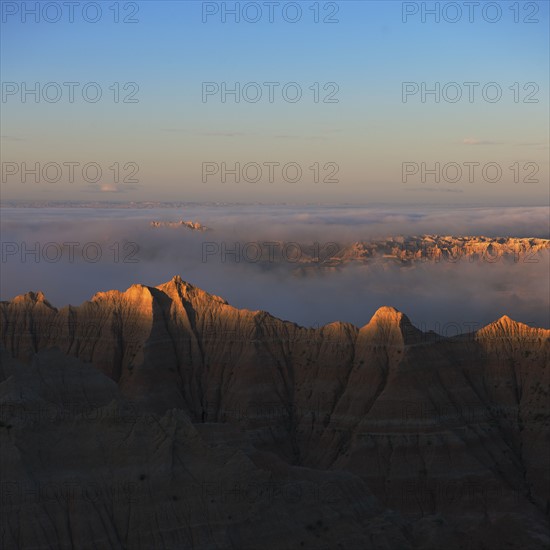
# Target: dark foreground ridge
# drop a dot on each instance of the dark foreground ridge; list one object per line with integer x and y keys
{"x": 165, "y": 418}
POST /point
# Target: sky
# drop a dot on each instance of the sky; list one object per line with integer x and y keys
{"x": 352, "y": 130}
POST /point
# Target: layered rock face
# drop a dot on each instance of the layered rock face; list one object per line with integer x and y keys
{"x": 423, "y": 441}
{"x": 82, "y": 467}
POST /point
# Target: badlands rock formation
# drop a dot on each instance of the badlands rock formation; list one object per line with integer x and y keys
{"x": 194, "y": 226}
{"x": 404, "y": 250}
{"x": 440, "y": 248}
{"x": 165, "y": 418}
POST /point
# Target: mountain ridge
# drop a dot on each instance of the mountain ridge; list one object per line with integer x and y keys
{"x": 382, "y": 314}
{"x": 399, "y": 417}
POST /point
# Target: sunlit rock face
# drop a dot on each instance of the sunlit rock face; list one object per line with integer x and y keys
{"x": 431, "y": 442}
{"x": 403, "y": 250}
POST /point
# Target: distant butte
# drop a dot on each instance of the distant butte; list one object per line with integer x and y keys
{"x": 195, "y": 226}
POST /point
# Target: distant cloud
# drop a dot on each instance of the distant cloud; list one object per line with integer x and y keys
{"x": 436, "y": 189}
{"x": 534, "y": 144}
{"x": 475, "y": 141}
{"x": 109, "y": 188}
{"x": 222, "y": 134}
{"x": 12, "y": 138}
{"x": 283, "y": 136}
{"x": 230, "y": 134}
{"x": 208, "y": 134}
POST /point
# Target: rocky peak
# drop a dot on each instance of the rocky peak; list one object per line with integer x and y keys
{"x": 389, "y": 315}
{"x": 506, "y": 328}
{"x": 389, "y": 326}
{"x": 177, "y": 288}
{"x": 32, "y": 298}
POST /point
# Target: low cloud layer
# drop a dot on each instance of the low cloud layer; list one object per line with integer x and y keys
{"x": 444, "y": 297}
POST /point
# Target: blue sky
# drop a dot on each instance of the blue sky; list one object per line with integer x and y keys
{"x": 369, "y": 133}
